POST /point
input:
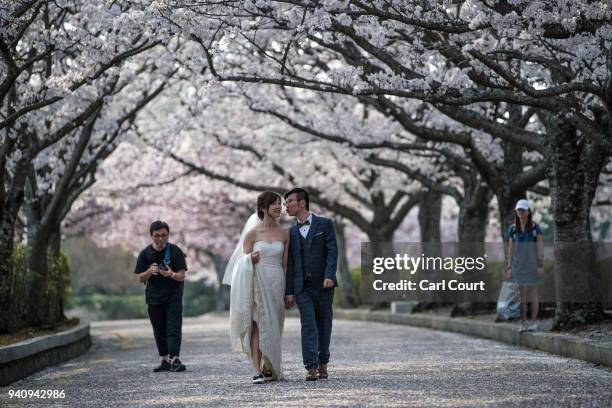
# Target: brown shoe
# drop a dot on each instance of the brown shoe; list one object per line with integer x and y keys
{"x": 323, "y": 372}
{"x": 312, "y": 375}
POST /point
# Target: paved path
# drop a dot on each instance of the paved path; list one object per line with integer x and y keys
{"x": 374, "y": 364}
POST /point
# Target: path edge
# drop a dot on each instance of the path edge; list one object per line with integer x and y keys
{"x": 27, "y": 357}
{"x": 566, "y": 345}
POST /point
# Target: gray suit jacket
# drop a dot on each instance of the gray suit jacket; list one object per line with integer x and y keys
{"x": 321, "y": 255}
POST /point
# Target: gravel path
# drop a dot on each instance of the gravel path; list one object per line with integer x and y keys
{"x": 373, "y": 364}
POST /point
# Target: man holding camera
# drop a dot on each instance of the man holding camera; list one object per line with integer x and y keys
{"x": 161, "y": 266}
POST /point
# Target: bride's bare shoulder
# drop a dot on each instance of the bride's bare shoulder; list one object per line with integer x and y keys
{"x": 251, "y": 234}
{"x": 285, "y": 232}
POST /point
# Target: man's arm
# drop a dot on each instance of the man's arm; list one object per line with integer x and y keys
{"x": 144, "y": 276}
{"x": 144, "y": 273}
{"x": 178, "y": 275}
{"x": 181, "y": 266}
{"x": 331, "y": 263}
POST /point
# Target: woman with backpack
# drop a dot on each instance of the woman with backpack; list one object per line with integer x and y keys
{"x": 526, "y": 261}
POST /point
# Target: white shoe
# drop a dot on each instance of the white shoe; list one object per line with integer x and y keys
{"x": 259, "y": 379}
{"x": 524, "y": 327}
{"x": 533, "y": 326}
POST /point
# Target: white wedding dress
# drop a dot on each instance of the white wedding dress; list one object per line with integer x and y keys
{"x": 269, "y": 304}
{"x": 257, "y": 295}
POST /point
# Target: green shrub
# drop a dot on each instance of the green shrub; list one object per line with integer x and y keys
{"x": 112, "y": 307}
{"x": 59, "y": 273}
{"x": 355, "y": 277}
{"x": 21, "y": 280}
{"x": 198, "y": 298}
{"x": 57, "y": 291}
{"x": 199, "y": 305}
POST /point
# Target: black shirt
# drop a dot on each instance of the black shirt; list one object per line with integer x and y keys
{"x": 162, "y": 290}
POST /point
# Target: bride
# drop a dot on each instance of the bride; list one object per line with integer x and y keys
{"x": 256, "y": 273}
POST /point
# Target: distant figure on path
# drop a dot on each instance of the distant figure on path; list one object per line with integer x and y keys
{"x": 526, "y": 261}
{"x": 161, "y": 266}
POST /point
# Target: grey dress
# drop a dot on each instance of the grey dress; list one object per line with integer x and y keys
{"x": 525, "y": 255}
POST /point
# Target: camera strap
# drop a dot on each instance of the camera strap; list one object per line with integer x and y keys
{"x": 167, "y": 255}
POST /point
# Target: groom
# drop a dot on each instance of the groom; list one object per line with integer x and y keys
{"x": 311, "y": 278}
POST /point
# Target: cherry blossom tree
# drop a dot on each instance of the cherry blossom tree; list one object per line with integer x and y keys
{"x": 545, "y": 64}
{"x": 73, "y": 84}
{"x": 440, "y": 167}
{"x": 205, "y": 217}
{"x": 398, "y": 101}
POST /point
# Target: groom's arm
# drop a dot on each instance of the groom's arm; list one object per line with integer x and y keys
{"x": 332, "y": 251}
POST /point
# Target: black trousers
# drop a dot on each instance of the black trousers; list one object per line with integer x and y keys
{"x": 167, "y": 322}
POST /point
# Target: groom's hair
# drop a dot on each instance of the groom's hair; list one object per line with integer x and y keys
{"x": 301, "y": 195}
{"x": 265, "y": 200}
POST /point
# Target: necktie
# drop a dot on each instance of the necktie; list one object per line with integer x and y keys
{"x": 301, "y": 224}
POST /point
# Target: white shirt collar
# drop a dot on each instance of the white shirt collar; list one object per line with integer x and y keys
{"x": 309, "y": 219}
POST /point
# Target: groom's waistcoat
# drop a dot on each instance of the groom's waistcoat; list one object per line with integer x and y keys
{"x": 315, "y": 275}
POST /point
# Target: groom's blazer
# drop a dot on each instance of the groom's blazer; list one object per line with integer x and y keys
{"x": 321, "y": 255}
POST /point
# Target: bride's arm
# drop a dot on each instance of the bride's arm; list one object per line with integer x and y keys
{"x": 286, "y": 251}
{"x": 247, "y": 247}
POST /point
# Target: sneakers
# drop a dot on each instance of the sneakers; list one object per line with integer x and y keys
{"x": 533, "y": 326}
{"x": 312, "y": 375}
{"x": 259, "y": 379}
{"x": 530, "y": 325}
{"x": 177, "y": 366}
{"x": 268, "y": 376}
{"x": 164, "y": 366}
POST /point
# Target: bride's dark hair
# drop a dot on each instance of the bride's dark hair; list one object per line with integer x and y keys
{"x": 265, "y": 200}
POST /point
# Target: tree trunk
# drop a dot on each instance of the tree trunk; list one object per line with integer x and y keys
{"x": 58, "y": 280}
{"x": 55, "y": 241}
{"x": 46, "y": 283}
{"x": 348, "y": 293}
{"x": 473, "y": 220}
{"x": 38, "y": 315}
{"x": 381, "y": 246}
{"x": 573, "y": 168}
{"x": 507, "y": 195}
{"x": 430, "y": 210}
{"x": 10, "y": 319}
{"x": 474, "y": 215}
